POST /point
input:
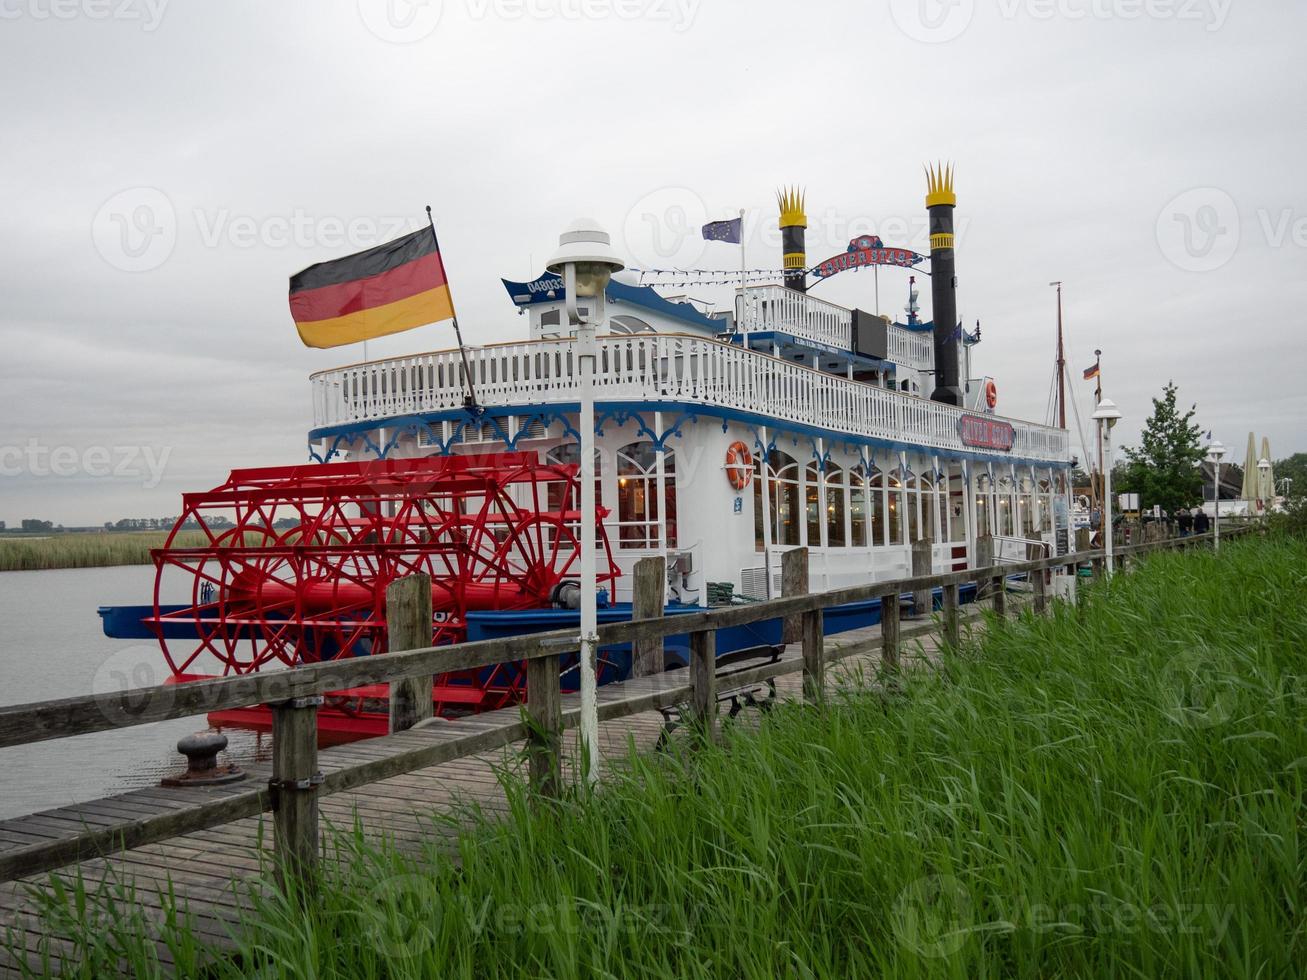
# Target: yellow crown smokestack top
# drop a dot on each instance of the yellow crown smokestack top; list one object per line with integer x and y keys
{"x": 941, "y": 202}
{"x": 794, "y": 222}
{"x": 939, "y": 186}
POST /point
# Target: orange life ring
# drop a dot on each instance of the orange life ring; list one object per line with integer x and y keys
{"x": 739, "y": 465}
{"x": 991, "y": 393}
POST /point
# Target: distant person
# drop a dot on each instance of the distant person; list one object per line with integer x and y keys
{"x": 1202, "y": 523}
{"x": 1185, "y": 522}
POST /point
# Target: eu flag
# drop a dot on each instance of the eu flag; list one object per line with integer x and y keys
{"x": 724, "y": 231}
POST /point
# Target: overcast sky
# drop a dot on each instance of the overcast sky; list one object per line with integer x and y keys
{"x": 165, "y": 166}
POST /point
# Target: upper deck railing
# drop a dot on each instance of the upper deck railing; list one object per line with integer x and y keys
{"x": 655, "y": 368}
{"x": 776, "y": 308}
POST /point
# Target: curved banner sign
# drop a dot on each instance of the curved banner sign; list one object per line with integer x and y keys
{"x": 983, "y": 432}
{"x": 867, "y": 250}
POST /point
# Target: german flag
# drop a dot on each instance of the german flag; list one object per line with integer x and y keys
{"x": 1091, "y": 373}
{"x": 392, "y": 287}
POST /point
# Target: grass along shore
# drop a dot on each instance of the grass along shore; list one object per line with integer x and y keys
{"x": 84, "y": 549}
{"x": 1115, "y": 790}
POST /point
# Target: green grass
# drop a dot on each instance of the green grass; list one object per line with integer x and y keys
{"x": 85, "y": 550}
{"x": 1115, "y": 791}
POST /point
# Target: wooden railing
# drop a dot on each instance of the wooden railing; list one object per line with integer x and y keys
{"x": 295, "y": 695}
{"x": 670, "y": 368}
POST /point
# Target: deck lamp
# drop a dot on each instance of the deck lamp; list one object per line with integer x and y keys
{"x": 1216, "y": 453}
{"x": 586, "y": 261}
{"x": 1107, "y": 415}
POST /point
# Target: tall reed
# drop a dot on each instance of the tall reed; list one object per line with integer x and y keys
{"x": 85, "y": 550}
{"x": 1116, "y": 790}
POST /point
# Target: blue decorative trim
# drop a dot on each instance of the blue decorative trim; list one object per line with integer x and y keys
{"x": 354, "y": 431}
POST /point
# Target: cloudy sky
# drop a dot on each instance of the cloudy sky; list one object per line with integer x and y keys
{"x": 166, "y": 164}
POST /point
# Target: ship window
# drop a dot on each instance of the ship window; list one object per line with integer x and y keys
{"x": 783, "y": 496}
{"x": 983, "y": 489}
{"x": 1045, "y": 506}
{"x": 956, "y": 505}
{"x": 551, "y": 318}
{"x": 836, "y": 505}
{"x": 929, "y": 508}
{"x": 893, "y": 508}
{"x": 812, "y": 506}
{"x": 912, "y": 505}
{"x": 1005, "y": 516}
{"x": 637, "y": 496}
{"x": 880, "y": 512}
{"x": 859, "y": 499}
{"x": 569, "y": 454}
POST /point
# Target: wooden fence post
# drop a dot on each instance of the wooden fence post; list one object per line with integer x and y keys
{"x": 544, "y": 705}
{"x": 703, "y": 678}
{"x": 1039, "y": 582}
{"x": 647, "y": 603}
{"x": 999, "y": 585}
{"x": 889, "y": 631}
{"x": 984, "y": 559}
{"x": 814, "y": 658}
{"x": 294, "y": 786}
{"x": 922, "y": 564}
{"x": 794, "y": 581}
{"x": 952, "y": 616}
{"x": 408, "y": 627}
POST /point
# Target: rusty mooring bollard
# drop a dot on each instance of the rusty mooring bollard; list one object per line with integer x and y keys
{"x": 202, "y": 769}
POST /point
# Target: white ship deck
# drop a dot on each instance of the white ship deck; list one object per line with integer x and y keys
{"x": 653, "y": 371}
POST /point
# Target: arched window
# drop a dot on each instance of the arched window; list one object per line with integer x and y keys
{"x": 836, "y": 505}
{"x": 569, "y": 454}
{"x": 812, "y": 505}
{"x": 983, "y": 489}
{"x": 860, "y": 504}
{"x": 1026, "y": 503}
{"x": 880, "y": 511}
{"x": 1005, "y": 516}
{"x": 894, "y": 507}
{"x": 625, "y": 324}
{"x": 929, "y": 506}
{"x": 911, "y": 484}
{"x": 638, "y": 510}
{"x": 783, "y": 489}
{"x": 1045, "y": 506}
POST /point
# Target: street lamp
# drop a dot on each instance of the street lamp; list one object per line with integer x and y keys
{"x": 1108, "y": 413}
{"x": 1216, "y": 453}
{"x": 586, "y": 260}
{"x": 1264, "y": 489}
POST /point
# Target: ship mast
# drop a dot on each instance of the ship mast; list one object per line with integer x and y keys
{"x": 1061, "y": 362}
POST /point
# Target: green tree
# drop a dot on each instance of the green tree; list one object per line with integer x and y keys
{"x": 1164, "y": 470}
{"x": 1293, "y": 469}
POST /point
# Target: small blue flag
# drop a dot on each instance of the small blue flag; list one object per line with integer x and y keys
{"x": 724, "y": 231}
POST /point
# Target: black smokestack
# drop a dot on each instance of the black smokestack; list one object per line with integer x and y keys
{"x": 794, "y": 224}
{"x": 941, "y": 203}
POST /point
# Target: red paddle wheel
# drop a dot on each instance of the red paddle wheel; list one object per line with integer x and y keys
{"x": 294, "y": 563}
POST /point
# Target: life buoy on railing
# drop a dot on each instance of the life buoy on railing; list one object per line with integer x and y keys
{"x": 739, "y": 465}
{"x": 991, "y": 393}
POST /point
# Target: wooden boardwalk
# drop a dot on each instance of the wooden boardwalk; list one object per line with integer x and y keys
{"x": 209, "y": 871}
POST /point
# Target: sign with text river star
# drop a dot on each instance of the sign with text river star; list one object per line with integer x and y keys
{"x": 982, "y": 432}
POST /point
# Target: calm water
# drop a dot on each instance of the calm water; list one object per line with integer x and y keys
{"x": 51, "y": 646}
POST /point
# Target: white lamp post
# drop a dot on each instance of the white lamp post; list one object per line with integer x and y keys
{"x": 1216, "y": 453}
{"x": 586, "y": 259}
{"x": 1265, "y": 490}
{"x": 1107, "y": 415}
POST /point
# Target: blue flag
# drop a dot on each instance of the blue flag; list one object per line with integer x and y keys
{"x": 724, "y": 231}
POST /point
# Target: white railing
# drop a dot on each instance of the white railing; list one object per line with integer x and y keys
{"x": 653, "y": 368}
{"x": 911, "y": 349}
{"x": 769, "y": 308}
{"x": 776, "y": 308}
